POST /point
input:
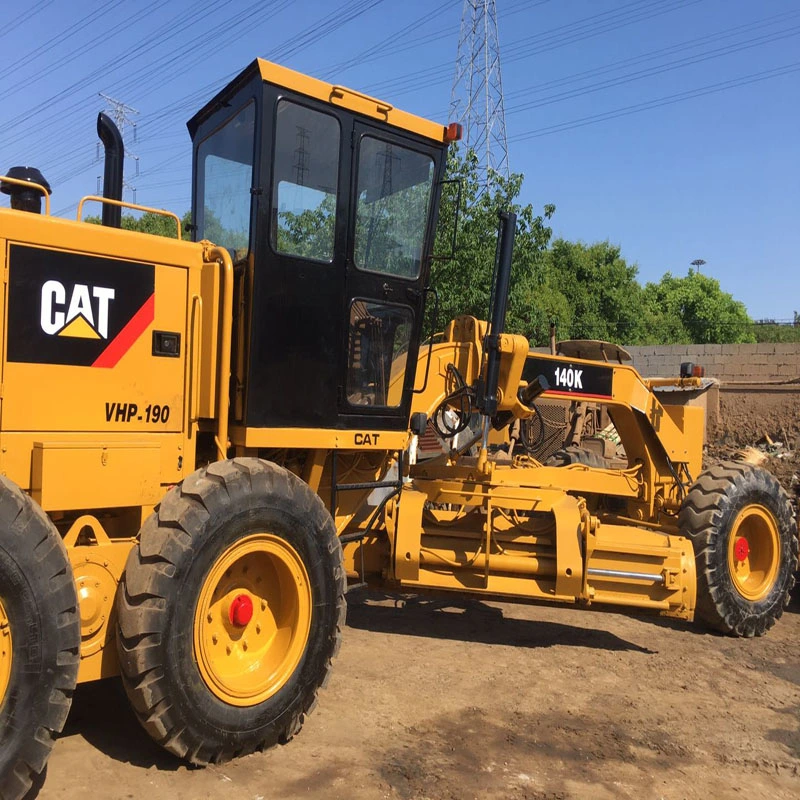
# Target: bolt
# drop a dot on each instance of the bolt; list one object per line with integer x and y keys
{"x": 258, "y": 628}
{"x": 244, "y": 645}
{"x": 214, "y": 638}
{"x": 210, "y": 618}
{"x": 263, "y": 605}
{"x": 228, "y": 649}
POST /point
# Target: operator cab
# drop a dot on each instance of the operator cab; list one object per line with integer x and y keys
{"x": 327, "y": 200}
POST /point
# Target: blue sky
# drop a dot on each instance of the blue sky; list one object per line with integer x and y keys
{"x": 669, "y": 127}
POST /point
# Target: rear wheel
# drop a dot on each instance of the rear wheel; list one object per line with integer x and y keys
{"x": 231, "y": 610}
{"x": 39, "y": 639}
{"x": 743, "y": 528}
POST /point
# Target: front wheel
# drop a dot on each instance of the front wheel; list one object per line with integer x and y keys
{"x": 231, "y": 610}
{"x": 742, "y": 525}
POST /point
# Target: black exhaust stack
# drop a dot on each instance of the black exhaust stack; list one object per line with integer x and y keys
{"x": 502, "y": 279}
{"x": 112, "y": 175}
{"x": 487, "y": 393}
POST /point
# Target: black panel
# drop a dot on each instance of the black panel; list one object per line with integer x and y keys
{"x": 66, "y": 308}
{"x": 579, "y": 379}
{"x": 167, "y": 344}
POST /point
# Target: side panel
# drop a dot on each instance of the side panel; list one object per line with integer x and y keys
{"x": 95, "y": 352}
{"x": 80, "y": 343}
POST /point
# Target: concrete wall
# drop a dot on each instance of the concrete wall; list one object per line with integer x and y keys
{"x": 758, "y": 363}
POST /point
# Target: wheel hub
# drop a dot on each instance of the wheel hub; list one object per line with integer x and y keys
{"x": 97, "y": 585}
{"x": 5, "y": 653}
{"x": 741, "y": 549}
{"x": 754, "y": 552}
{"x": 241, "y": 610}
{"x": 252, "y": 620}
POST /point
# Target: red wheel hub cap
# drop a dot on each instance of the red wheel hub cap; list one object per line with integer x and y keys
{"x": 741, "y": 549}
{"x": 241, "y": 610}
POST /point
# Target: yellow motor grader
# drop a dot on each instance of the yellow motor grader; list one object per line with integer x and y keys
{"x": 204, "y": 443}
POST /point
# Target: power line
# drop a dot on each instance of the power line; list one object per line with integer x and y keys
{"x": 337, "y": 18}
{"x": 24, "y": 17}
{"x": 657, "y": 70}
{"x": 678, "y": 97}
{"x": 545, "y": 41}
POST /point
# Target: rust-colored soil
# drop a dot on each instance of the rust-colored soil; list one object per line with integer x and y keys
{"x": 451, "y": 701}
{"x": 455, "y": 701}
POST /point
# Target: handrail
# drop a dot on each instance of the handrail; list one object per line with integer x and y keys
{"x": 122, "y": 204}
{"x": 196, "y": 330}
{"x": 214, "y": 253}
{"x": 30, "y": 185}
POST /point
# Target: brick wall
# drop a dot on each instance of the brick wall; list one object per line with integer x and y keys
{"x": 767, "y": 363}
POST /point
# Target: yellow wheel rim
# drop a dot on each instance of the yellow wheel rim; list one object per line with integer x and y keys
{"x": 754, "y": 552}
{"x": 252, "y": 620}
{"x": 5, "y": 653}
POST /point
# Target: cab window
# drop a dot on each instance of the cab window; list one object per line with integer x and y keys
{"x": 377, "y": 353}
{"x": 305, "y": 182}
{"x": 393, "y": 196}
{"x": 225, "y": 164}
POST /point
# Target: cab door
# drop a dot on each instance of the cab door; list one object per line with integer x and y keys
{"x": 390, "y": 227}
{"x": 298, "y": 283}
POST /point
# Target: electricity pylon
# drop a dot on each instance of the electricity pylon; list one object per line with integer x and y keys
{"x": 477, "y": 97}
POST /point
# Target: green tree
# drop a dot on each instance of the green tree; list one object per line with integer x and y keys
{"x": 602, "y": 298}
{"x": 769, "y": 330}
{"x": 149, "y": 222}
{"x": 464, "y": 282}
{"x": 695, "y": 309}
{"x": 310, "y": 233}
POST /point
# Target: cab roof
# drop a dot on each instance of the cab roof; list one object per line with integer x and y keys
{"x": 320, "y": 90}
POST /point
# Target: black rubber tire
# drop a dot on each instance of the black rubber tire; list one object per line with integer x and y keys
{"x": 576, "y": 455}
{"x": 38, "y": 595}
{"x": 194, "y": 524}
{"x": 706, "y": 517}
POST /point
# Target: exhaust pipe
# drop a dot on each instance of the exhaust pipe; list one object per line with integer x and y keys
{"x": 112, "y": 174}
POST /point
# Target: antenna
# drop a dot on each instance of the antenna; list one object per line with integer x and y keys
{"x": 477, "y": 97}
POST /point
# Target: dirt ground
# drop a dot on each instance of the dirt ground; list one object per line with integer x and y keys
{"x": 431, "y": 700}
{"x": 466, "y": 700}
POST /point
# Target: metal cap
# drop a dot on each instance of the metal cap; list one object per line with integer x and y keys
{"x": 29, "y": 174}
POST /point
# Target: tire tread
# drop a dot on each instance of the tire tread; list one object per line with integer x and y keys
{"x": 145, "y": 588}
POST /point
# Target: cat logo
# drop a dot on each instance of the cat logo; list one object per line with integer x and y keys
{"x": 85, "y": 316}
{"x": 80, "y": 309}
